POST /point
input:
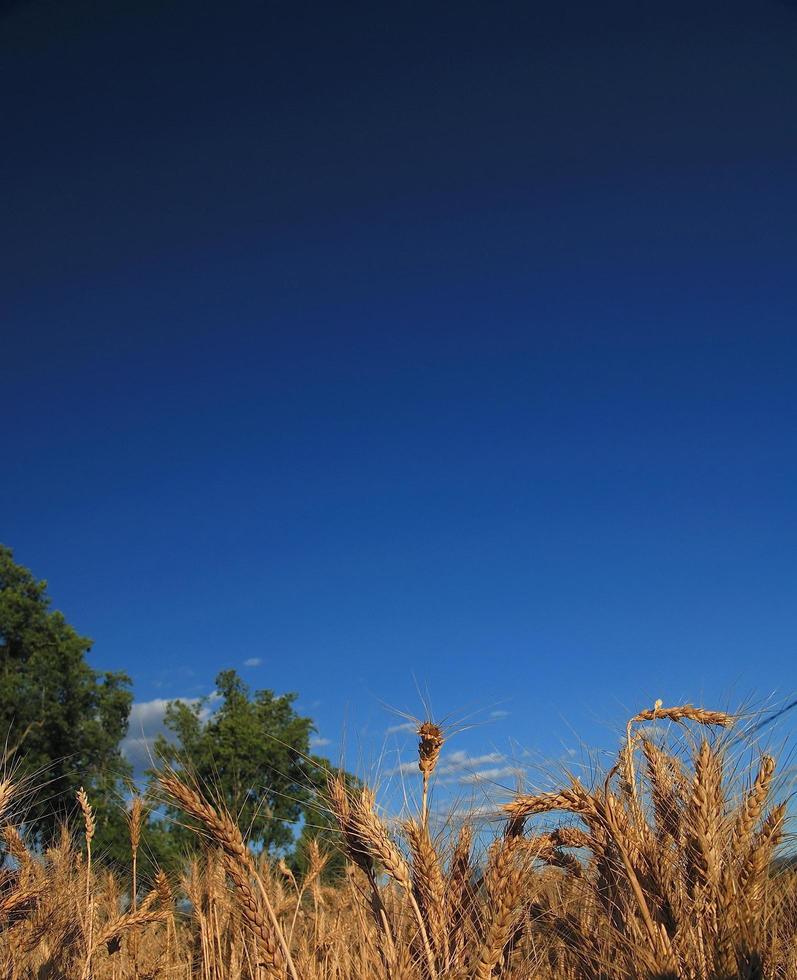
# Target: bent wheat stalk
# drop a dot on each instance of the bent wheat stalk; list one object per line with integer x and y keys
{"x": 678, "y": 714}
{"x": 372, "y": 832}
{"x": 239, "y": 865}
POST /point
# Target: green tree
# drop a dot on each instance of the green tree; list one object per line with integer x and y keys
{"x": 63, "y": 721}
{"x": 251, "y": 753}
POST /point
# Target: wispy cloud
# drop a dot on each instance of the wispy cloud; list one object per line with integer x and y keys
{"x": 404, "y": 768}
{"x": 491, "y": 775}
{"x": 405, "y": 726}
{"x": 499, "y": 713}
{"x": 471, "y": 812}
{"x": 466, "y": 769}
{"x": 460, "y": 761}
{"x": 653, "y": 730}
{"x": 317, "y": 742}
{"x": 253, "y": 662}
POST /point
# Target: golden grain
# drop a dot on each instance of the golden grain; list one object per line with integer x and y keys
{"x": 670, "y": 873}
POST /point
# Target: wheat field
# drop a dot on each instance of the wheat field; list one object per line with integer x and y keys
{"x": 668, "y": 865}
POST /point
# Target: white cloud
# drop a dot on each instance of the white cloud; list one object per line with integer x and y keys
{"x": 460, "y": 761}
{"x": 491, "y": 775}
{"x": 316, "y": 742}
{"x": 499, "y": 713}
{"x": 253, "y": 662}
{"x": 404, "y": 768}
{"x": 461, "y": 767}
{"x": 471, "y": 812}
{"x": 146, "y": 723}
{"x": 139, "y": 751}
{"x": 149, "y": 714}
{"x": 653, "y": 730}
{"x": 405, "y": 726}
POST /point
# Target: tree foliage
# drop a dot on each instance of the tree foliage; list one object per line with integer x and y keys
{"x": 62, "y": 719}
{"x": 62, "y": 722}
{"x": 251, "y": 751}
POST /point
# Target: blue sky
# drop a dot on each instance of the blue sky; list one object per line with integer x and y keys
{"x": 399, "y": 348}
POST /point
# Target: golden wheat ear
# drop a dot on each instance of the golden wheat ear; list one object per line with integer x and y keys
{"x": 429, "y": 886}
{"x": 7, "y": 788}
{"x": 430, "y": 742}
{"x": 255, "y": 906}
{"x": 504, "y": 879}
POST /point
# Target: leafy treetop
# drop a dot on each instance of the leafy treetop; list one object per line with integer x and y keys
{"x": 62, "y": 720}
{"x": 251, "y": 753}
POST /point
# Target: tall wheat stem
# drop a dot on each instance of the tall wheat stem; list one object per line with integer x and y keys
{"x": 88, "y": 820}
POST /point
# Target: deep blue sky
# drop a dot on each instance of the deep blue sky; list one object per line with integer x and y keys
{"x": 387, "y": 341}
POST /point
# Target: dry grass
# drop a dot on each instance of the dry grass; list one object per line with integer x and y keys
{"x": 663, "y": 868}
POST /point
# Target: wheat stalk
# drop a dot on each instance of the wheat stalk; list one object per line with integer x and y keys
{"x": 503, "y": 880}
{"x": 135, "y": 820}
{"x": 429, "y": 886}
{"x": 89, "y": 830}
{"x": 369, "y": 836}
{"x": 430, "y": 742}
{"x": 144, "y": 915}
{"x": 6, "y": 793}
{"x": 239, "y": 866}
{"x": 683, "y": 712}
